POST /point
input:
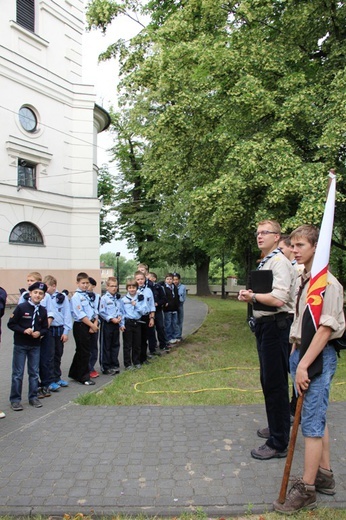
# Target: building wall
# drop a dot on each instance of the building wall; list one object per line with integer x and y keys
{"x": 43, "y": 70}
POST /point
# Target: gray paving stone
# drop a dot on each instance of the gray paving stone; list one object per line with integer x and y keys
{"x": 145, "y": 459}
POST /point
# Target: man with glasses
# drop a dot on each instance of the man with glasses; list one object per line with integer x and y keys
{"x": 271, "y": 310}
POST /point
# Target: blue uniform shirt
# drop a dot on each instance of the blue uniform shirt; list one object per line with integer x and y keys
{"x": 181, "y": 292}
{"x": 82, "y": 306}
{"x": 111, "y": 307}
{"x": 133, "y": 312}
{"x": 148, "y": 298}
{"x": 62, "y": 315}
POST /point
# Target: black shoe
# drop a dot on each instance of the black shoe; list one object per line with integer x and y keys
{"x": 36, "y": 403}
{"x": 156, "y": 353}
{"x": 109, "y": 372}
{"x": 17, "y": 406}
{"x": 46, "y": 391}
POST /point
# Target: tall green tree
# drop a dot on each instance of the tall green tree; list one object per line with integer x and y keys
{"x": 241, "y": 106}
{"x": 106, "y": 191}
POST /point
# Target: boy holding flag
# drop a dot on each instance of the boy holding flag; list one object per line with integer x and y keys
{"x": 319, "y": 318}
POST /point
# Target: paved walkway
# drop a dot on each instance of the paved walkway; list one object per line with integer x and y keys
{"x": 65, "y": 458}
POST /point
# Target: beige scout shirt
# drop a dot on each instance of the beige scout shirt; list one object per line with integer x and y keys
{"x": 332, "y": 312}
{"x": 284, "y": 281}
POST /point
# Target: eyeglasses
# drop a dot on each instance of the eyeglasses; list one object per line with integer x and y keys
{"x": 265, "y": 233}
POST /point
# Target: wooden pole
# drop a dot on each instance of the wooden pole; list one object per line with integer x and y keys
{"x": 291, "y": 446}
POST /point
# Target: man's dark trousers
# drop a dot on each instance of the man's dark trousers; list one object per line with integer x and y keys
{"x": 273, "y": 351}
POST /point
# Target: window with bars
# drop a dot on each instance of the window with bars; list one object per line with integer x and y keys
{"x": 26, "y": 233}
{"x": 26, "y": 174}
{"x": 26, "y": 14}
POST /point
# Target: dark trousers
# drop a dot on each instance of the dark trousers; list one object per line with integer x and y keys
{"x": 58, "y": 346}
{"x": 144, "y": 337}
{"x": 160, "y": 328}
{"x": 79, "y": 369}
{"x": 47, "y": 360}
{"x": 273, "y": 347}
{"x": 94, "y": 350}
{"x": 132, "y": 342}
{"x": 110, "y": 345}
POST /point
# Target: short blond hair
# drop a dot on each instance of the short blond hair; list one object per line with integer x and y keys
{"x": 273, "y": 223}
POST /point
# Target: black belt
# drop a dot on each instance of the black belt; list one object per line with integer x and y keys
{"x": 130, "y": 320}
{"x": 279, "y": 316}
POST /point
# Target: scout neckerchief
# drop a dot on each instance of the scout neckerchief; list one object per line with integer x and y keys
{"x": 266, "y": 258}
{"x": 36, "y": 309}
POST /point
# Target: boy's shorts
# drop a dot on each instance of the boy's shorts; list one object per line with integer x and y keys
{"x": 316, "y": 399}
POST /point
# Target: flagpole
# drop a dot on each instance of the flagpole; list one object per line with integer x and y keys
{"x": 320, "y": 263}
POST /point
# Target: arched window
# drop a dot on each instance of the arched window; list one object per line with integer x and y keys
{"x": 26, "y": 233}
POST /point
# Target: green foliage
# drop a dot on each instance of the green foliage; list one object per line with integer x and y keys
{"x": 126, "y": 267}
{"x": 106, "y": 191}
{"x": 237, "y": 112}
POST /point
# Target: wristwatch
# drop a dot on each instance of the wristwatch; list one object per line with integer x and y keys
{"x": 254, "y": 300}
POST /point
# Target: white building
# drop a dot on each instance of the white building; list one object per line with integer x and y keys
{"x": 49, "y": 210}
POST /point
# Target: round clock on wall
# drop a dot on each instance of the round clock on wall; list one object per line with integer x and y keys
{"x": 27, "y": 119}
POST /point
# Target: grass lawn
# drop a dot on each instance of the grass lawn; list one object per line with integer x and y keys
{"x": 216, "y": 366}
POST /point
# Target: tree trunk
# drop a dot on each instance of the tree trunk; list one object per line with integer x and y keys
{"x": 202, "y": 268}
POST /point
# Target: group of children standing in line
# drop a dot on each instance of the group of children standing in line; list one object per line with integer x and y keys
{"x": 150, "y": 316}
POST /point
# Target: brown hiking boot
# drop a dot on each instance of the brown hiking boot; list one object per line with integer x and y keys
{"x": 325, "y": 482}
{"x": 300, "y": 496}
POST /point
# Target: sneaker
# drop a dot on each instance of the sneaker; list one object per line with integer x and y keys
{"x": 149, "y": 356}
{"x": 325, "y": 482}
{"x": 90, "y": 382}
{"x": 264, "y": 433}
{"x": 36, "y": 403}
{"x": 54, "y": 387}
{"x": 265, "y": 452}
{"x": 156, "y": 353}
{"x": 109, "y": 372}
{"x": 300, "y": 496}
{"x": 130, "y": 368}
{"x": 17, "y": 406}
{"x": 46, "y": 391}
{"x": 116, "y": 370}
{"x": 43, "y": 392}
{"x": 165, "y": 349}
{"x": 2, "y": 415}
{"x": 62, "y": 383}
{"x": 138, "y": 366}
{"x": 172, "y": 341}
{"x": 94, "y": 374}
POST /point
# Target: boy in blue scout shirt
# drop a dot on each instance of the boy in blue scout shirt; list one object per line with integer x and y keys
{"x": 46, "y": 378}
{"x": 134, "y": 307}
{"x": 60, "y": 327}
{"x": 29, "y": 323}
{"x": 94, "y": 350}
{"x": 112, "y": 314}
{"x": 85, "y": 324}
{"x": 182, "y": 298}
{"x": 149, "y": 316}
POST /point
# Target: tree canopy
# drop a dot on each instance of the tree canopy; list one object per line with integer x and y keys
{"x": 240, "y": 109}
